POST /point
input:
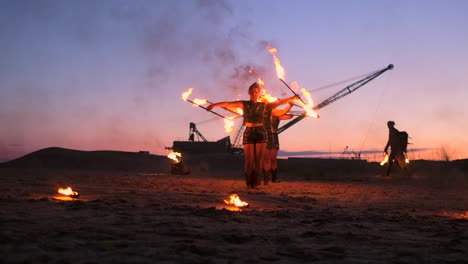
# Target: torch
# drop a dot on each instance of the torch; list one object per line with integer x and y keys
{"x": 185, "y": 96}
{"x": 188, "y": 100}
{"x": 291, "y": 90}
{"x": 228, "y": 109}
{"x": 280, "y": 71}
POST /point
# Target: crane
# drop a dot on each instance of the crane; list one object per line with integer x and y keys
{"x": 194, "y": 131}
{"x": 340, "y": 94}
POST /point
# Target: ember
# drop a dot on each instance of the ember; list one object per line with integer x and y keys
{"x": 68, "y": 192}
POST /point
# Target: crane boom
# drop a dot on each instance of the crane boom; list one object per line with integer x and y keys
{"x": 340, "y": 94}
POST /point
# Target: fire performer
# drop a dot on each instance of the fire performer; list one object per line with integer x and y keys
{"x": 276, "y": 117}
{"x": 255, "y": 136}
{"x": 271, "y": 119}
{"x": 397, "y": 144}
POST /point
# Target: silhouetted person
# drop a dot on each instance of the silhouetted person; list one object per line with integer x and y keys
{"x": 271, "y": 121}
{"x": 397, "y": 147}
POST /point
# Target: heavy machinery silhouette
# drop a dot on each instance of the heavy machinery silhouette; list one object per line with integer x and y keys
{"x": 197, "y": 143}
{"x": 194, "y": 131}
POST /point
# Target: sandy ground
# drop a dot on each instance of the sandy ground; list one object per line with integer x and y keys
{"x": 125, "y": 217}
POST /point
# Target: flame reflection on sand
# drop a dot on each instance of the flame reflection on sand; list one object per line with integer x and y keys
{"x": 63, "y": 198}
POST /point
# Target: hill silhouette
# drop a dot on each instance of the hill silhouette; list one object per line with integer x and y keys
{"x": 62, "y": 158}
{"x": 211, "y": 163}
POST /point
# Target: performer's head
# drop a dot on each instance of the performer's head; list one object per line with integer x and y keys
{"x": 254, "y": 85}
{"x": 254, "y": 91}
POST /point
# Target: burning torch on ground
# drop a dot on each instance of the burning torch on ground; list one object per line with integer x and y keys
{"x": 236, "y": 202}
{"x": 177, "y": 166}
{"x": 68, "y": 192}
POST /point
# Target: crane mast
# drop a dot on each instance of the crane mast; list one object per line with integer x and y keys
{"x": 194, "y": 131}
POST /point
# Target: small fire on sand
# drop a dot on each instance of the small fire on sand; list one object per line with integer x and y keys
{"x": 175, "y": 156}
{"x": 68, "y": 192}
{"x": 177, "y": 165}
{"x": 237, "y": 202}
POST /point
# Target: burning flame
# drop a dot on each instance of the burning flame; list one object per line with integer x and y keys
{"x": 385, "y": 160}
{"x": 236, "y": 201}
{"x": 68, "y": 192}
{"x": 279, "y": 68}
{"x": 175, "y": 156}
{"x": 265, "y": 97}
{"x": 196, "y": 101}
{"x": 228, "y": 124}
{"x": 309, "y": 105}
{"x": 309, "y": 102}
{"x": 280, "y": 72}
{"x": 260, "y": 82}
{"x": 185, "y": 95}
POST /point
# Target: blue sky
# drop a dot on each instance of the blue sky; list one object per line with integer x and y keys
{"x": 94, "y": 75}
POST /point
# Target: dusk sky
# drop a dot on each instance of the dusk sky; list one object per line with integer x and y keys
{"x": 109, "y": 74}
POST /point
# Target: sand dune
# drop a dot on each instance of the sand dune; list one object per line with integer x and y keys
{"x": 56, "y": 157}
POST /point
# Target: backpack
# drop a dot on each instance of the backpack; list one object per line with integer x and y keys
{"x": 403, "y": 137}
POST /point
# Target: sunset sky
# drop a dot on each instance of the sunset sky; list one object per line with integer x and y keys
{"x": 108, "y": 75}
